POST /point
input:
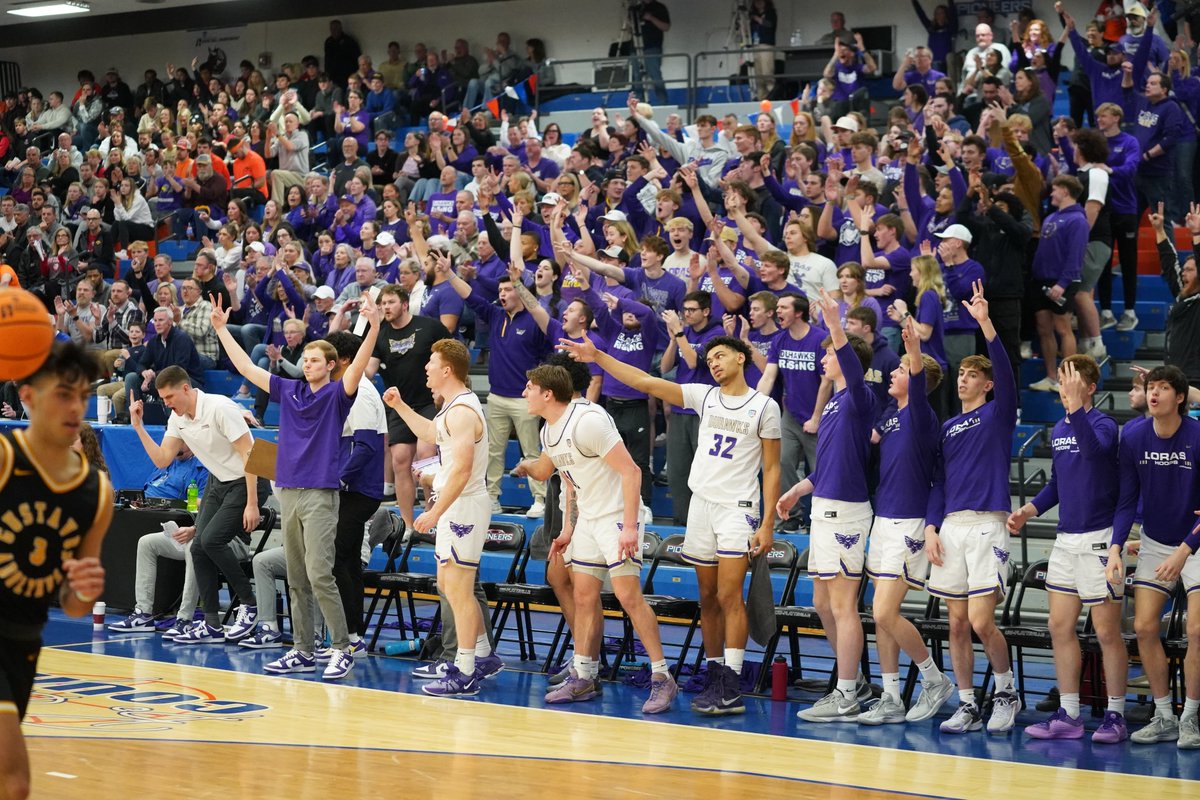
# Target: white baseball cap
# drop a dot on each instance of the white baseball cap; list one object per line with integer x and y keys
{"x": 323, "y": 292}
{"x": 956, "y": 232}
{"x": 847, "y": 123}
{"x": 615, "y": 216}
{"x": 385, "y": 239}
{"x": 550, "y": 199}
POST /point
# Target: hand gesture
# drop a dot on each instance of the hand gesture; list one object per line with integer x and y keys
{"x": 1073, "y": 386}
{"x": 584, "y": 351}
{"x": 897, "y": 309}
{"x": 220, "y": 314}
{"x": 393, "y": 399}
{"x": 1192, "y": 221}
{"x": 273, "y": 352}
{"x": 729, "y": 323}
{"x": 829, "y": 308}
{"x": 59, "y": 306}
{"x": 1156, "y": 218}
{"x": 926, "y": 248}
{"x": 369, "y": 310}
{"x": 977, "y": 307}
{"x": 610, "y": 300}
{"x": 230, "y": 282}
{"x": 696, "y": 268}
{"x": 672, "y": 321}
{"x": 516, "y": 272}
{"x": 135, "y": 413}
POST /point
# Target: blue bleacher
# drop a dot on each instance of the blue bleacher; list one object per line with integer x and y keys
{"x": 1044, "y": 407}
{"x": 1122, "y": 345}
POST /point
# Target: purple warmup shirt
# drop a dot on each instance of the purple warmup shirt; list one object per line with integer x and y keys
{"x": 975, "y": 450}
{"x": 929, "y": 312}
{"x": 699, "y": 373}
{"x": 844, "y": 437}
{"x": 800, "y": 370}
{"x": 517, "y": 345}
{"x": 958, "y": 278}
{"x": 907, "y": 452}
{"x": 635, "y": 348}
{"x": 1083, "y": 476}
{"x": 1165, "y": 476}
{"x": 310, "y": 425}
{"x": 898, "y": 276}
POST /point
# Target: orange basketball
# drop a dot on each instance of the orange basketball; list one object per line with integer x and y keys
{"x": 25, "y": 334}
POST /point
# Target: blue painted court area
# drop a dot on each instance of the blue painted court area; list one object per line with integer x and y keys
{"x": 521, "y": 686}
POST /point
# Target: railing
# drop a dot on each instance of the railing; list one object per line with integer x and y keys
{"x": 617, "y": 74}
{"x": 1037, "y": 478}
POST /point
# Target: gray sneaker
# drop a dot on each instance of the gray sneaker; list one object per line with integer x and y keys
{"x": 1005, "y": 706}
{"x": 966, "y": 719}
{"x": 831, "y": 708}
{"x": 863, "y": 689}
{"x": 1189, "y": 733}
{"x": 885, "y": 712}
{"x": 561, "y": 675}
{"x": 934, "y": 695}
{"x": 1160, "y": 729}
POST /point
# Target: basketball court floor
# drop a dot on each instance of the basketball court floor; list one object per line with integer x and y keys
{"x": 127, "y": 717}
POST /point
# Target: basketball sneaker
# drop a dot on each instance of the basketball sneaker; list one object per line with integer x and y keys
{"x": 1059, "y": 726}
{"x": 885, "y": 712}
{"x": 431, "y": 671}
{"x": 1189, "y": 733}
{"x": 488, "y": 666}
{"x": 706, "y": 700}
{"x": 358, "y": 647}
{"x": 1112, "y": 729}
{"x": 573, "y": 690}
{"x": 662, "y": 693}
{"x": 453, "y": 684}
{"x": 291, "y": 661}
{"x": 934, "y": 695}
{"x": 1160, "y": 729}
{"x": 727, "y": 694}
{"x": 966, "y": 719}
{"x": 833, "y": 708}
{"x": 243, "y": 625}
{"x": 1005, "y": 706}
{"x": 339, "y": 666}
{"x": 862, "y": 687}
{"x": 178, "y": 628}
{"x": 561, "y": 675}
{"x": 201, "y": 633}
{"x": 262, "y": 638}
{"x": 137, "y": 622}
{"x": 322, "y": 653}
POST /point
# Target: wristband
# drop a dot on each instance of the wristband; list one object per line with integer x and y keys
{"x": 680, "y": 335}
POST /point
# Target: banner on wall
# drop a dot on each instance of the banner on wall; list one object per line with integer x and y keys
{"x": 1003, "y": 8}
{"x": 216, "y": 47}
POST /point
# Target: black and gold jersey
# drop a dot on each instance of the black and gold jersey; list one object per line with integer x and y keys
{"x": 42, "y": 523}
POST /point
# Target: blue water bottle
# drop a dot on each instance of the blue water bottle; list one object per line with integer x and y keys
{"x": 402, "y": 647}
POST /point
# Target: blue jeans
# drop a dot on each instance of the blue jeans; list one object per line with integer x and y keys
{"x": 474, "y": 95}
{"x": 652, "y": 57}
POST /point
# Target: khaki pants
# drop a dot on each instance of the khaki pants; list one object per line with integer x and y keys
{"x": 281, "y": 181}
{"x": 115, "y": 391}
{"x": 309, "y": 530}
{"x": 503, "y": 414}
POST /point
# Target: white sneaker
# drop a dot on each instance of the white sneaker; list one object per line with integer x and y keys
{"x": 1026, "y": 351}
{"x": 647, "y": 517}
{"x": 934, "y": 695}
{"x": 1107, "y": 320}
{"x": 1045, "y": 385}
{"x": 886, "y": 711}
{"x": 537, "y": 510}
{"x": 1005, "y": 706}
{"x": 497, "y": 508}
{"x": 1128, "y": 321}
{"x": 1096, "y": 349}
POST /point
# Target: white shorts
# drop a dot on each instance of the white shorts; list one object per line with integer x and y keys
{"x": 1155, "y": 553}
{"x": 897, "y": 551}
{"x": 594, "y": 547}
{"x": 718, "y": 530}
{"x": 462, "y": 531}
{"x": 975, "y": 558}
{"x": 838, "y": 539}
{"x": 1077, "y": 565}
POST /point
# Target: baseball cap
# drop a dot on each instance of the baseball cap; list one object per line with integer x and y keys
{"x": 1137, "y": 10}
{"x": 257, "y": 247}
{"x": 615, "y": 216}
{"x": 323, "y": 292}
{"x": 956, "y": 232}
{"x": 550, "y": 199}
{"x": 348, "y": 198}
{"x": 385, "y": 239}
{"x": 613, "y": 251}
{"x": 847, "y": 123}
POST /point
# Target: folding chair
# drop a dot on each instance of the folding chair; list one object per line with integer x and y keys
{"x": 266, "y": 524}
{"x": 1020, "y": 632}
{"x": 651, "y": 542}
{"x": 394, "y": 547}
{"x": 393, "y": 584}
{"x": 671, "y": 552}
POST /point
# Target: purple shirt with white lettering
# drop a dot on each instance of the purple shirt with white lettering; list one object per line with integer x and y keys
{"x": 907, "y": 452}
{"x": 635, "y": 348}
{"x": 1083, "y": 474}
{"x": 800, "y": 370}
{"x": 1165, "y": 476}
{"x": 975, "y": 450}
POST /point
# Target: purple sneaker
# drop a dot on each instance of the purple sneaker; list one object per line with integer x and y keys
{"x": 454, "y": 684}
{"x": 707, "y": 699}
{"x": 1112, "y": 730}
{"x": 662, "y": 691}
{"x": 488, "y": 666}
{"x": 1059, "y": 726}
{"x": 573, "y": 690}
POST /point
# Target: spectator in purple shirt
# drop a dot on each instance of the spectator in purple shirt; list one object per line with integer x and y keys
{"x": 848, "y": 69}
{"x": 313, "y": 412}
{"x": 1057, "y": 266}
{"x": 917, "y": 67}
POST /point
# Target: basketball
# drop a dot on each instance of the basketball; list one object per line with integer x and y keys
{"x": 26, "y": 332}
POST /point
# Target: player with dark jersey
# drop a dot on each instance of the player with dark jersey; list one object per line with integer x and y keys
{"x": 55, "y": 508}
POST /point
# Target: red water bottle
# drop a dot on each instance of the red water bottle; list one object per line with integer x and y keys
{"x": 779, "y": 678}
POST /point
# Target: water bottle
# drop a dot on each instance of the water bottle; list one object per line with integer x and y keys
{"x": 193, "y": 497}
{"x": 402, "y": 647}
{"x": 1060, "y": 301}
{"x": 779, "y": 678}
{"x": 188, "y": 234}
{"x": 797, "y": 38}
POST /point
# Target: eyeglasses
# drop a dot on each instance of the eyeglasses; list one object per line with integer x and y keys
{"x": 93, "y": 219}
{"x": 690, "y": 309}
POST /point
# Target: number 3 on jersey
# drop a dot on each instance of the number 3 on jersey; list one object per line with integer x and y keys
{"x": 726, "y": 442}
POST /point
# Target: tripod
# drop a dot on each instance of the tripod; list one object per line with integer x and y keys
{"x": 739, "y": 37}
{"x": 631, "y": 28}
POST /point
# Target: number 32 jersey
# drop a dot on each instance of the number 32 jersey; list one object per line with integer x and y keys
{"x": 729, "y": 453}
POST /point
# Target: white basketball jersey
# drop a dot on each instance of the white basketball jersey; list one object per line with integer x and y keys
{"x": 577, "y": 443}
{"x": 729, "y": 454}
{"x": 477, "y": 482}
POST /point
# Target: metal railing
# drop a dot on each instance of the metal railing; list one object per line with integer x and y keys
{"x": 617, "y": 74}
{"x": 1026, "y": 484}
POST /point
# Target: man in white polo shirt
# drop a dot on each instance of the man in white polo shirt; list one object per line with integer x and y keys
{"x": 213, "y": 428}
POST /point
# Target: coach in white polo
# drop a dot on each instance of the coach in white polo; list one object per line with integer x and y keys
{"x": 215, "y": 430}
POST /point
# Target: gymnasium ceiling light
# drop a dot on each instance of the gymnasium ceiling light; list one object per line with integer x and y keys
{"x": 51, "y": 9}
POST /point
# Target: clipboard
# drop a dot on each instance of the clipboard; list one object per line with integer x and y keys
{"x": 261, "y": 461}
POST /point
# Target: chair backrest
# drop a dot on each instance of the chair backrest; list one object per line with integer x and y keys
{"x": 506, "y": 537}
{"x": 669, "y": 551}
{"x": 784, "y": 556}
{"x": 651, "y": 541}
{"x": 415, "y": 538}
{"x": 266, "y": 524}
{"x": 1033, "y": 579}
{"x": 553, "y": 519}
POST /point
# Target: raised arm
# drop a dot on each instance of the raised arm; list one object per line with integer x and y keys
{"x": 161, "y": 455}
{"x": 354, "y": 372}
{"x": 237, "y": 356}
{"x": 634, "y": 378}
{"x": 424, "y": 429}
{"x": 516, "y": 271}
